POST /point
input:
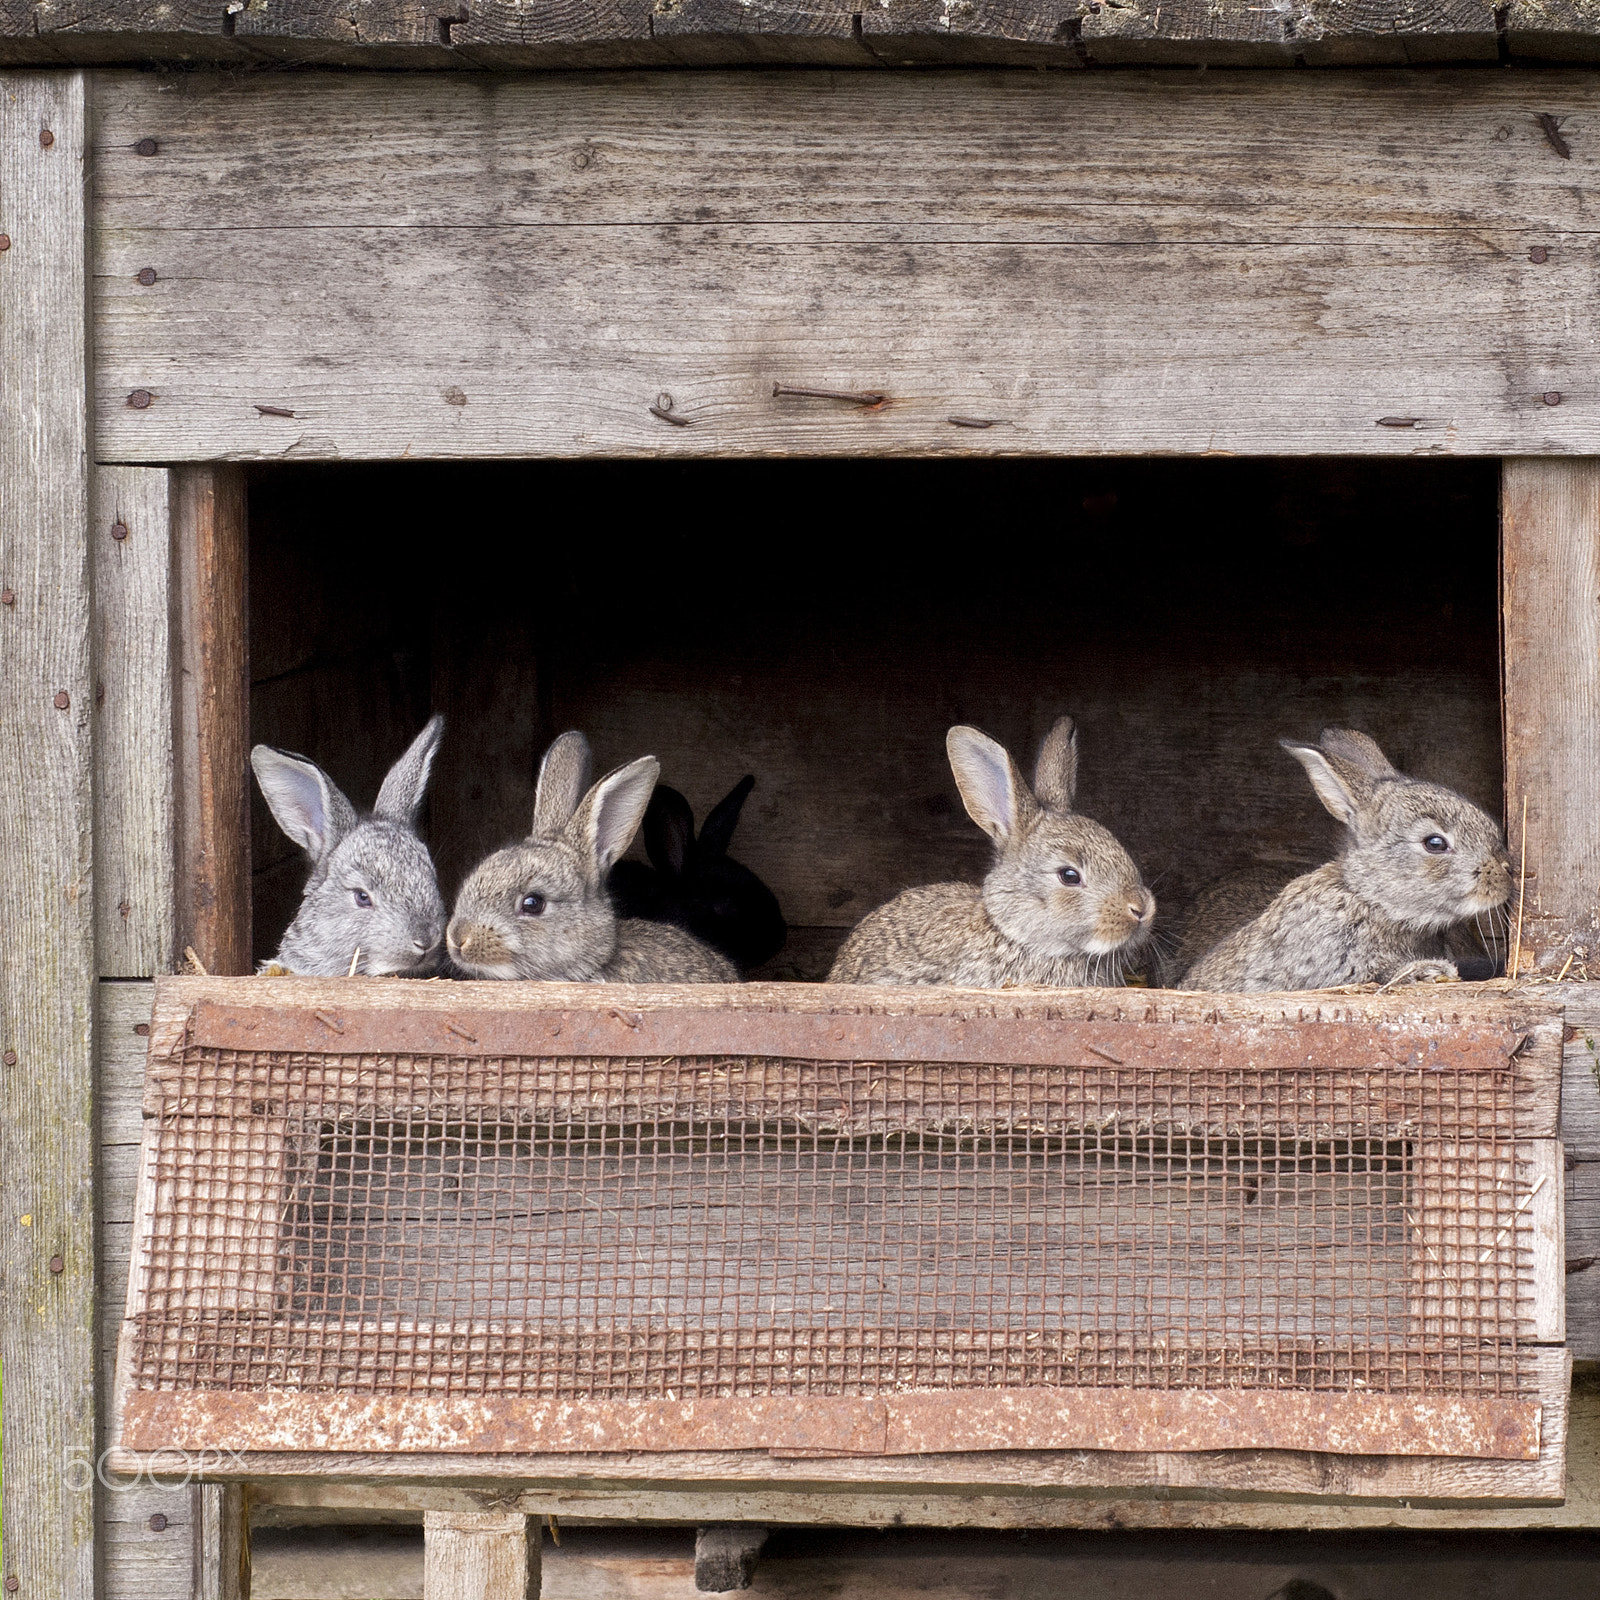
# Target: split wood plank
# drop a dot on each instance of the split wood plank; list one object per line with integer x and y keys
{"x": 135, "y": 859}
{"x": 47, "y": 980}
{"x": 1550, "y": 564}
{"x": 479, "y": 1555}
{"x": 213, "y": 717}
{"x": 1377, "y": 297}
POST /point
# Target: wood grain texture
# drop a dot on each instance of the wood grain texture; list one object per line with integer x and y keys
{"x": 1550, "y": 614}
{"x": 211, "y": 771}
{"x": 578, "y": 33}
{"x": 135, "y": 847}
{"x": 479, "y": 1555}
{"x": 1201, "y": 296}
{"x": 1582, "y": 1247}
{"x": 46, "y": 890}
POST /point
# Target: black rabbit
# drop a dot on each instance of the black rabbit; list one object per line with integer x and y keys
{"x": 694, "y": 884}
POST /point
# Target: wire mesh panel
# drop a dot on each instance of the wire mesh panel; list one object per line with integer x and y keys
{"x": 1183, "y": 1221}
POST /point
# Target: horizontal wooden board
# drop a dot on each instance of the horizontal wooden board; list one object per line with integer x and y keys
{"x": 709, "y": 237}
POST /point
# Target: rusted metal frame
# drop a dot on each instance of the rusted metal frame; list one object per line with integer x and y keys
{"x": 929, "y": 1423}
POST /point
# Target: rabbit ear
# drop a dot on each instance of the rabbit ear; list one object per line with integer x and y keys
{"x": 991, "y": 788}
{"x": 668, "y": 831}
{"x": 563, "y": 776}
{"x": 1335, "y": 789}
{"x": 716, "y": 834}
{"x": 304, "y": 799}
{"x": 611, "y": 813}
{"x": 1352, "y": 751}
{"x": 1055, "y": 776}
{"x": 400, "y": 798}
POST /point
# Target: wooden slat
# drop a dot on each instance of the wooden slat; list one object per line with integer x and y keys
{"x": 47, "y": 1317}
{"x": 133, "y": 827}
{"x": 479, "y": 1555}
{"x": 213, "y": 717}
{"x": 1550, "y": 517}
{"x": 1204, "y": 296}
{"x": 1582, "y": 1248}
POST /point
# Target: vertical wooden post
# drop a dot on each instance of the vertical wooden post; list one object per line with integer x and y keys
{"x": 47, "y": 972}
{"x": 1550, "y": 618}
{"x": 479, "y": 1555}
{"x": 213, "y": 717}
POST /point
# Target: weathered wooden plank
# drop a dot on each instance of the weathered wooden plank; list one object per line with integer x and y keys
{"x": 479, "y": 1555}
{"x": 213, "y": 717}
{"x": 133, "y": 825}
{"x": 575, "y": 33}
{"x": 1550, "y": 517}
{"x": 1152, "y": 311}
{"x": 1582, "y": 1248}
{"x": 46, "y": 891}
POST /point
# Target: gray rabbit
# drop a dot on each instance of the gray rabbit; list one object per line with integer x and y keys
{"x": 1419, "y": 859}
{"x": 539, "y": 909}
{"x": 372, "y": 903}
{"x": 1062, "y": 906}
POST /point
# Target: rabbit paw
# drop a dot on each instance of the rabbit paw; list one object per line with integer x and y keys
{"x": 1425, "y": 972}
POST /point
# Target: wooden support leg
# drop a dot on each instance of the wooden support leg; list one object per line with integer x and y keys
{"x": 1550, "y": 600}
{"x": 479, "y": 1555}
{"x": 725, "y": 1555}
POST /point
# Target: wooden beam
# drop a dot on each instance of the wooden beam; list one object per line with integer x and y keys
{"x": 479, "y": 1555}
{"x": 47, "y": 987}
{"x": 545, "y": 258}
{"x": 1550, "y": 616}
{"x": 135, "y": 847}
{"x": 725, "y": 1555}
{"x": 213, "y": 718}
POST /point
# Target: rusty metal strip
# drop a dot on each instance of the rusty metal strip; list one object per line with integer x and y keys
{"x": 669, "y": 1033}
{"x": 925, "y": 1423}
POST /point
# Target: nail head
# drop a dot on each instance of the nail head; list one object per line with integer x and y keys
{"x": 142, "y": 1029}
{"x": 1538, "y": 255}
{"x": 57, "y": 1265}
{"x": 140, "y": 399}
{"x": 454, "y": 396}
{"x": 13, "y": 1583}
{"x": 7, "y": 598}
{"x": 119, "y": 531}
{"x": 145, "y": 147}
{"x": 158, "y": 1522}
{"x": 5, "y": 241}
{"x": 10, "y": 1058}
{"x": 146, "y": 276}
{"x": 1552, "y": 397}
{"x": 63, "y": 700}
{"x": 46, "y": 138}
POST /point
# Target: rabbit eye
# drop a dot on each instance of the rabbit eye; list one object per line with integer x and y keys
{"x": 531, "y": 904}
{"x": 1436, "y": 844}
{"x": 363, "y": 899}
{"x": 1070, "y": 876}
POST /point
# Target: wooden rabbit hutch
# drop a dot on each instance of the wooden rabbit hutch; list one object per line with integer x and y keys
{"x": 773, "y": 412}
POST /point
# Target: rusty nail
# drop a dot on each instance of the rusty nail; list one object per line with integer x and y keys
{"x": 145, "y": 147}
{"x": 972, "y": 422}
{"x": 63, "y": 700}
{"x": 158, "y": 1522}
{"x": 13, "y": 1583}
{"x": 119, "y": 531}
{"x": 663, "y": 408}
{"x": 1552, "y": 134}
{"x": 7, "y": 598}
{"x": 5, "y": 241}
{"x": 46, "y": 138}
{"x": 1538, "y": 255}
{"x": 870, "y": 398}
{"x": 146, "y": 276}
{"x": 1397, "y": 422}
{"x": 57, "y": 1265}
{"x": 140, "y": 398}
{"x": 142, "y": 1029}
{"x": 332, "y": 1023}
{"x": 1551, "y": 397}
{"x": 10, "y": 1058}
{"x": 274, "y": 411}
{"x": 461, "y": 1033}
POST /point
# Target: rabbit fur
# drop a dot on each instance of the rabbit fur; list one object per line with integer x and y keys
{"x": 539, "y": 909}
{"x": 1381, "y": 911}
{"x": 372, "y": 903}
{"x": 1026, "y": 924}
{"x": 695, "y": 884}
